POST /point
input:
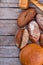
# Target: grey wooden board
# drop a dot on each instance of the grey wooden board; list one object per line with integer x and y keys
{"x": 9, "y": 1}
{"x": 9, "y": 13}
{"x": 9, "y": 51}
{"x": 8, "y": 21}
{"x": 10, "y": 61}
{"x": 8, "y": 29}
{"x": 9, "y": 4}
{"x": 7, "y": 41}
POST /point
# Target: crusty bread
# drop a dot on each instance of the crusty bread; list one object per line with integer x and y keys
{"x": 26, "y": 16}
{"x": 22, "y": 38}
{"x": 24, "y": 4}
{"x": 34, "y": 31}
{"x": 38, "y": 4}
{"x": 32, "y": 54}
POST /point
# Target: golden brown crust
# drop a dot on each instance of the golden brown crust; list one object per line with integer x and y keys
{"x": 41, "y": 40}
{"x": 25, "y": 38}
{"x": 22, "y": 38}
{"x": 24, "y": 4}
{"x": 32, "y": 54}
{"x": 26, "y": 16}
{"x": 38, "y": 4}
{"x": 19, "y": 37}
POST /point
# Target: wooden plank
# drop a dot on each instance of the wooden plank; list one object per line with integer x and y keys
{"x": 7, "y": 41}
{"x": 10, "y": 61}
{"x": 8, "y": 29}
{"x": 9, "y": 51}
{"x": 9, "y": 13}
{"x": 8, "y": 21}
{"x": 11, "y": 3}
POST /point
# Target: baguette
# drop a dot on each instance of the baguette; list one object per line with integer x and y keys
{"x": 24, "y": 4}
{"x": 38, "y": 4}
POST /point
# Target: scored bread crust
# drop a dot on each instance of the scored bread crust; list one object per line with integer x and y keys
{"x": 19, "y": 37}
{"x": 25, "y": 39}
{"x": 26, "y": 16}
{"x": 22, "y": 38}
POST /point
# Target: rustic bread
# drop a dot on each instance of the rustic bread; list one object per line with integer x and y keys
{"x": 32, "y": 54}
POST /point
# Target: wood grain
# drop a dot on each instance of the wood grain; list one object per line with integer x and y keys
{"x": 9, "y": 51}
{"x": 8, "y": 21}
{"x": 9, "y": 13}
{"x": 9, "y": 1}
{"x": 10, "y": 61}
{"x": 13, "y": 1}
{"x": 7, "y": 41}
{"x": 8, "y": 29}
{"x": 9, "y": 4}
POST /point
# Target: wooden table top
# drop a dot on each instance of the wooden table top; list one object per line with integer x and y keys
{"x": 9, "y": 11}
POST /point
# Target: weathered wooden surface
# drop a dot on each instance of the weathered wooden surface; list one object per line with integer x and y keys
{"x": 9, "y": 51}
{"x": 9, "y": 29}
{"x": 10, "y": 61}
{"x": 8, "y": 21}
{"x": 9, "y": 1}
{"x": 9, "y": 26}
{"x": 9, "y": 11}
{"x": 7, "y": 41}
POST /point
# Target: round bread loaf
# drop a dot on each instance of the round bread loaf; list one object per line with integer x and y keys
{"x": 32, "y": 54}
